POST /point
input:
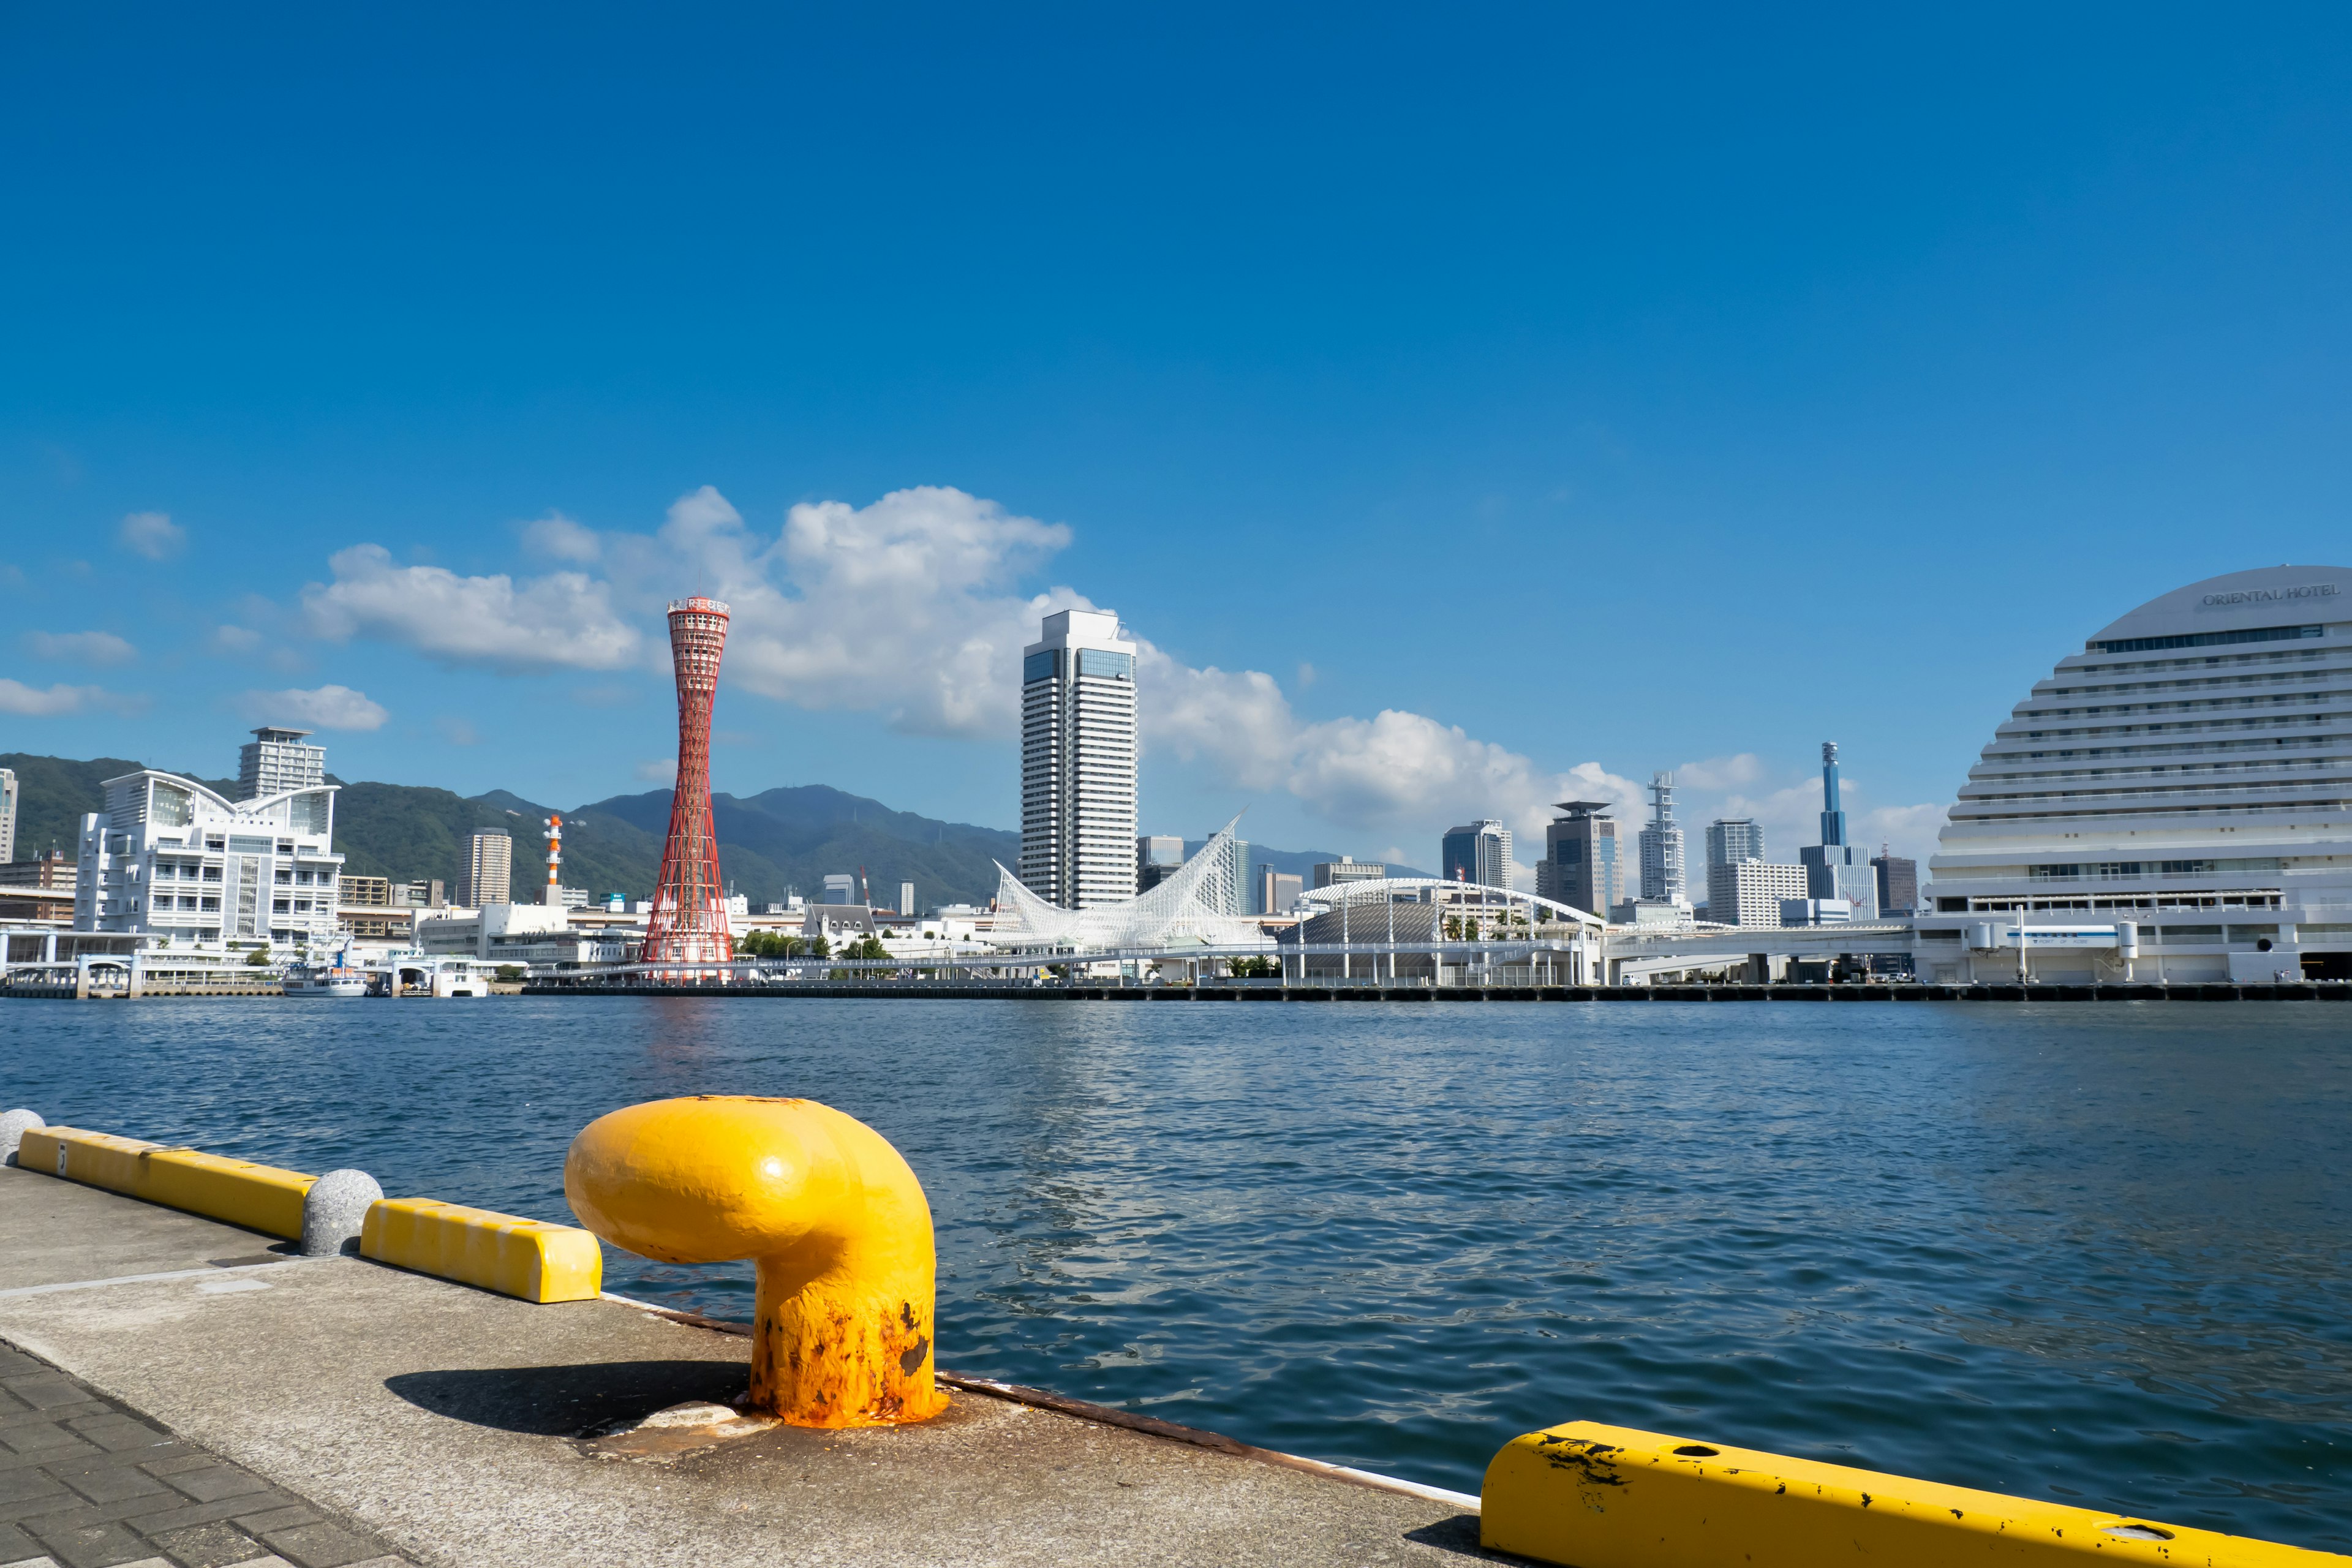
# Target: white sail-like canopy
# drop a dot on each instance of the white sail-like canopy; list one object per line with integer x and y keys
{"x": 1190, "y": 907}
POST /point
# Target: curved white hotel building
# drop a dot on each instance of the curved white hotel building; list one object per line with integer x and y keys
{"x": 2185, "y": 779}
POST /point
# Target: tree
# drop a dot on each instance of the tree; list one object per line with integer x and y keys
{"x": 821, "y": 947}
{"x": 1255, "y": 968}
{"x": 258, "y": 956}
{"x": 509, "y": 973}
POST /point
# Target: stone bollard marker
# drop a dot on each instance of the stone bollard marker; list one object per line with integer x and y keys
{"x": 836, "y": 1222}
{"x": 14, "y": 1125}
{"x": 333, "y": 1211}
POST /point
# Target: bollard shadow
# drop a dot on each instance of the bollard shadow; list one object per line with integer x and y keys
{"x": 1458, "y": 1535}
{"x": 568, "y": 1401}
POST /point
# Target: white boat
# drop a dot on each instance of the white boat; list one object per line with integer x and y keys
{"x": 325, "y": 980}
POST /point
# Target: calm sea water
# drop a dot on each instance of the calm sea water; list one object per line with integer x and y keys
{"x": 2093, "y": 1253}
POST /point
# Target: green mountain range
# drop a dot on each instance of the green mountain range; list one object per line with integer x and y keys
{"x": 780, "y": 840}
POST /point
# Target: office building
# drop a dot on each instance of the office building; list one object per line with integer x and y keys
{"x": 276, "y": 760}
{"x": 1835, "y": 869}
{"x": 1477, "y": 852}
{"x": 907, "y": 899}
{"x": 7, "y": 815}
{"x": 1158, "y": 856}
{"x": 1346, "y": 869}
{"x": 1278, "y": 891}
{"x": 489, "y": 871}
{"x": 1078, "y": 750}
{"x": 1661, "y": 844}
{"x": 1240, "y": 877}
{"x": 1751, "y": 892}
{"x": 840, "y": 888}
{"x": 50, "y": 869}
{"x": 1581, "y": 867}
{"x": 1899, "y": 883}
{"x": 171, "y": 857}
{"x": 2185, "y": 774}
{"x": 1729, "y": 841}
{"x": 1816, "y": 912}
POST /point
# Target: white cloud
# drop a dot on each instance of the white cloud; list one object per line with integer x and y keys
{"x": 910, "y": 607}
{"x": 321, "y": 708}
{"x": 562, "y": 620}
{"x": 1720, "y": 773}
{"x": 902, "y": 607}
{"x": 658, "y": 770}
{"x": 456, "y": 732}
{"x": 558, "y": 538}
{"x": 33, "y": 703}
{"x": 81, "y": 648}
{"x": 153, "y": 534}
{"x": 236, "y": 639}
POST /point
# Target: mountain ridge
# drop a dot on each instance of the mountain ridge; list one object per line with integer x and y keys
{"x": 785, "y": 838}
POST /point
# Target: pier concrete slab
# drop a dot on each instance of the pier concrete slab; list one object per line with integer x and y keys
{"x": 460, "y": 1428}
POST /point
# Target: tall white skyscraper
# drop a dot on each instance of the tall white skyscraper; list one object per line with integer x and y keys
{"x": 8, "y": 815}
{"x": 1661, "y": 845}
{"x": 1078, "y": 762}
{"x": 276, "y": 760}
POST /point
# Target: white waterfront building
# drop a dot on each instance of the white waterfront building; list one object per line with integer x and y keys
{"x": 2176, "y": 798}
{"x": 1078, "y": 750}
{"x": 171, "y": 857}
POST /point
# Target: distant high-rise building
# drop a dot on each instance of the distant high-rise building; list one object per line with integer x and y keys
{"x": 7, "y": 815}
{"x": 1662, "y": 846}
{"x": 840, "y": 888}
{"x": 1477, "y": 852}
{"x": 276, "y": 760}
{"x": 1276, "y": 890}
{"x": 1835, "y": 869}
{"x": 1899, "y": 883}
{"x": 1241, "y": 878}
{"x": 1333, "y": 873}
{"x": 489, "y": 871}
{"x": 1579, "y": 868}
{"x": 1078, "y": 749}
{"x": 1751, "y": 892}
{"x": 907, "y": 899}
{"x": 1729, "y": 841}
{"x": 1158, "y": 856}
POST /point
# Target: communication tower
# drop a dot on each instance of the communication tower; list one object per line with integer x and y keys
{"x": 554, "y": 897}
{"x": 689, "y": 925}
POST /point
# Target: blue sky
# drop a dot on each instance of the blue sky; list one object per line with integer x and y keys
{"x": 1466, "y": 406}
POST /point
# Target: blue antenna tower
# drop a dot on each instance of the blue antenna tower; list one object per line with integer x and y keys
{"x": 1833, "y": 818}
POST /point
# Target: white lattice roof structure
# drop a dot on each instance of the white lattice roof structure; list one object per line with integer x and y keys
{"x": 1188, "y": 908}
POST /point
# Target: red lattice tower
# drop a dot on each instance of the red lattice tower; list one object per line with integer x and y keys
{"x": 688, "y": 927}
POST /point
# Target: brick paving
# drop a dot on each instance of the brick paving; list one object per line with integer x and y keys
{"x": 87, "y": 1482}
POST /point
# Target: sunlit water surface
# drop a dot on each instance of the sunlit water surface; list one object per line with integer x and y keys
{"x": 2089, "y": 1252}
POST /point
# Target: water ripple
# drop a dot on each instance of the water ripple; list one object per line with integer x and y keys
{"x": 2091, "y": 1253}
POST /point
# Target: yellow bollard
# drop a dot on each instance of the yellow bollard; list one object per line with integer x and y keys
{"x": 827, "y": 1209}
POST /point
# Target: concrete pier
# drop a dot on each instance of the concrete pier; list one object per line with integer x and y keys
{"x": 178, "y": 1391}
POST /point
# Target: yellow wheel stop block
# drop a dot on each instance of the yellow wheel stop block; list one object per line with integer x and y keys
{"x": 1610, "y": 1497}
{"x": 239, "y": 1192}
{"x": 527, "y": 1258}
